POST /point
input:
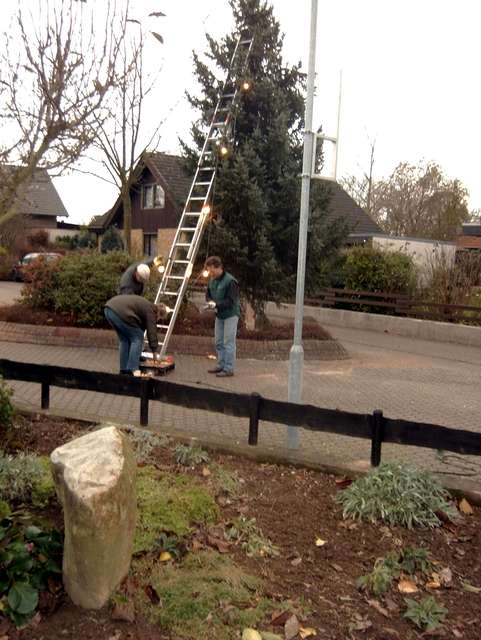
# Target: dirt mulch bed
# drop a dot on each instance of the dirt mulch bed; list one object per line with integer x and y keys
{"x": 193, "y": 335}
{"x": 294, "y": 507}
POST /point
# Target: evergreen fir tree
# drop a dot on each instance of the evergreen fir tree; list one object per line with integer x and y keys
{"x": 257, "y": 191}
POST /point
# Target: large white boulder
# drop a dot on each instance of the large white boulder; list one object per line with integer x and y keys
{"x": 95, "y": 480}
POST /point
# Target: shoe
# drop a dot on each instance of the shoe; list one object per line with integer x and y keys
{"x": 225, "y": 374}
{"x": 215, "y": 370}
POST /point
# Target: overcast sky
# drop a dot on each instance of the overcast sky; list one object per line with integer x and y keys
{"x": 411, "y": 81}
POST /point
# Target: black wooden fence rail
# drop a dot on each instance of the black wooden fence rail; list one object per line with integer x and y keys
{"x": 375, "y": 427}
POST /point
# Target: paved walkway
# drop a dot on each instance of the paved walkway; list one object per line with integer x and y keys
{"x": 411, "y": 379}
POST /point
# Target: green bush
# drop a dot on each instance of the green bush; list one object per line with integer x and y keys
{"x": 111, "y": 241}
{"x": 6, "y": 407}
{"x": 82, "y": 240}
{"x": 85, "y": 282}
{"x": 398, "y": 495}
{"x": 369, "y": 269}
{"x": 411, "y": 560}
{"x": 26, "y": 478}
{"x": 427, "y": 614}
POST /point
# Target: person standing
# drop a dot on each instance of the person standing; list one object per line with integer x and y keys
{"x": 130, "y": 315}
{"x": 137, "y": 275}
{"x": 223, "y": 296}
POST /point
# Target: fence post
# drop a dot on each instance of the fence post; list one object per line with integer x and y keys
{"x": 45, "y": 395}
{"x": 377, "y": 435}
{"x": 145, "y": 394}
{"x": 254, "y": 405}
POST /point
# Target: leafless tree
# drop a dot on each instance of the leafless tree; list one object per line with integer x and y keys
{"x": 58, "y": 67}
{"x": 362, "y": 189}
{"x": 124, "y": 136}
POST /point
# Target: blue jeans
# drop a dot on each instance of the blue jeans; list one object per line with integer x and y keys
{"x": 131, "y": 341}
{"x": 225, "y": 335}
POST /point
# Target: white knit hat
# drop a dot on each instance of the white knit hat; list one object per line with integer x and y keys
{"x": 143, "y": 272}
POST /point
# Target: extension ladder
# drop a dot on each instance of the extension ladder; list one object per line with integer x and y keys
{"x": 197, "y": 209}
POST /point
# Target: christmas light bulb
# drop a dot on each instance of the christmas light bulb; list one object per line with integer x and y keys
{"x": 205, "y": 273}
{"x": 246, "y": 85}
{"x": 206, "y": 209}
{"x": 224, "y": 151}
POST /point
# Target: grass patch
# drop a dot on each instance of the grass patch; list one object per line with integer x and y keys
{"x": 205, "y": 596}
{"x": 171, "y": 504}
{"x": 398, "y": 495}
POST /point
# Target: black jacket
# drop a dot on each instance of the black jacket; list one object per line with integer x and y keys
{"x": 137, "y": 312}
{"x": 128, "y": 283}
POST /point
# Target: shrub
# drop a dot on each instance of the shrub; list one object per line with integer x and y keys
{"x": 40, "y": 284}
{"x": 38, "y": 240}
{"x": 26, "y": 478}
{"x": 190, "y": 455}
{"x": 111, "y": 241}
{"x": 7, "y": 261}
{"x": 426, "y": 614}
{"x": 369, "y": 269}
{"x": 398, "y": 495}
{"x": 85, "y": 283}
{"x": 6, "y": 408}
{"x": 244, "y": 531}
{"x": 411, "y": 560}
{"x": 30, "y": 562}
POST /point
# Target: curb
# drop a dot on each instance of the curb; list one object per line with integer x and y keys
{"x": 185, "y": 345}
{"x": 260, "y": 453}
{"x": 394, "y": 325}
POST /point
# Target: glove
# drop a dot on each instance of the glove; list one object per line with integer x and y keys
{"x": 211, "y": 305}
{"x": 158, "y": 261}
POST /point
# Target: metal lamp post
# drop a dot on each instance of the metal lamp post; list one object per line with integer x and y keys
{"x": 296, "y": 355}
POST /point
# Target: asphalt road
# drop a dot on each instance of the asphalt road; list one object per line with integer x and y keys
{"x": 9, "y": 292}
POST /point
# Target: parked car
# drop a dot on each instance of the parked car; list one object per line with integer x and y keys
{"x": 28, "y": 259}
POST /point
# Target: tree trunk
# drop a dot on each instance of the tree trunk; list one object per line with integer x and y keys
{"x": 261, "y": 320}
{"x": 127, "y": 207}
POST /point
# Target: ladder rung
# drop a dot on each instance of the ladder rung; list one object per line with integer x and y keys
{"x": 193, "y": 213}
{"x": 201, "y": 184}
{"x": 245, "y": 41}
{"x": 170, "y": 293}
{"x": 175, "y": 277}
{"x": 188, "y": 229}
{"x": 197, "y": 198}
{"x": 183, "y": 244}
{"x": 219, "y": 124}
{"x": 223, "y": 109}
{"x": 228, "y": 95}
{"x": 181, "y": 261}
{"x": 206, "y": 168}
{"x": 162, "y": 326}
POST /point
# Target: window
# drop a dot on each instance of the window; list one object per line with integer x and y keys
{"x": 153, "y": 197}
{"x": 150, "y": 244}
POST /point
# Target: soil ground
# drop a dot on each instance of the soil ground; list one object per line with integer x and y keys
{"x": 191, "y": 323}
{"x": 294, "y": 508}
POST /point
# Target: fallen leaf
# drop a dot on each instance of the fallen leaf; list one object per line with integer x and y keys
{"x": 165, "y": 556}
{"x": 152, "y": 594}
{"x": 360, "y": 623}
{"x": 251, "y": 634}
{"x": 296, "y": 562}
{"x": 124, "y": 611}
{"x": 320, "y": 542}
{"x": 457, "y": 633}
{"x": 196, "y": 545}
{"x": 343, "y": 482}
{"x": 205, "y": 472}
{"x": 439, "y": 632}
{"x": 390, "y": 604}
{"x": 306, "y": 632}
{"x": 470, "y": 588}
{"x": 221, "y": 545}
{"x": 267, "y": 635}
{"x": 336, "y": 567}
{"x": 433, "y": 584}
{"x": 211, "y": 356}
{"x": 279, "y": 618}
{"x": 378, "y": 606}
{"x": 291, "y": 628}
{"x": 407, "y": 586}
{"x": 446, "y": 577}
{"x": 465, "y": 507}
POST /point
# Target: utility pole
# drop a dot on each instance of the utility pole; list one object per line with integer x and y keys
{"x": 296, "y": 355}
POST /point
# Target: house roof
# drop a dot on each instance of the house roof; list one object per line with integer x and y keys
{"x": 168, "y": 169}
{"x": 39, "y": 196}
{"x": 341, "y": 205}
